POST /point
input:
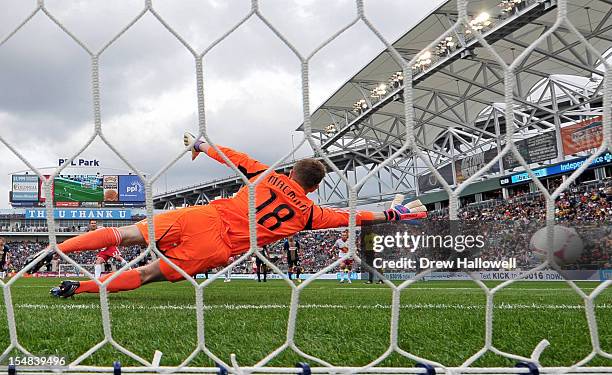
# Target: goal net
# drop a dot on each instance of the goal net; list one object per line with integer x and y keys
{"x": 412, "y": 66}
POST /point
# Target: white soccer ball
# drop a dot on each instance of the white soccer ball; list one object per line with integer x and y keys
{"x": 566, "y": 248}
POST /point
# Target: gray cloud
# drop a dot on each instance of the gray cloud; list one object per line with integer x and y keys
{"x": 252, "y": 80}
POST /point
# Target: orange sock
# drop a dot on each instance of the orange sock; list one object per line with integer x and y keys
{"x": 128, "y": 280}
{"x": 98, "y": 239}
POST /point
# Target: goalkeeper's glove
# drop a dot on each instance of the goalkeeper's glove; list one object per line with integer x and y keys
{"x": 188, "y": 139}
{"x": 400, "y": 212}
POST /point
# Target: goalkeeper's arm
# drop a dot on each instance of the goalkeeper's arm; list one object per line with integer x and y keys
{"x": 247, "y": 165}
{"x": 325, "y": 217}
{"x": 197, "y": 145}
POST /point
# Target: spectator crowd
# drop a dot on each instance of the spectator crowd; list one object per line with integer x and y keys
{"x": 584, "y": 204}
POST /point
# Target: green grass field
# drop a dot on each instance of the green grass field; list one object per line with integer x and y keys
{"x": 72, "y": 191}
{"x": 343, "y": 324}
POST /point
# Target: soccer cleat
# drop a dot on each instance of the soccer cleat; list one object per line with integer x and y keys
{"x": 44, "y": 261}
{"x": 189, "y": 139}
{"x": 227, "y": 280}
{"x": 66, "y": 289}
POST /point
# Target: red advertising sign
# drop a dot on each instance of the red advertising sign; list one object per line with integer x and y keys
{"x": 583, "y": 136}
{"x": 41, "y": 189}
{"x": 67, "y": 204}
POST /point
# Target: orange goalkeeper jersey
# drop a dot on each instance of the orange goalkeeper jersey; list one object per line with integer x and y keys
{"x": 282, "y": 207}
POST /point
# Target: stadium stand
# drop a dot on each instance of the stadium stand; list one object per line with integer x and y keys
{"x": 587, "y": 202}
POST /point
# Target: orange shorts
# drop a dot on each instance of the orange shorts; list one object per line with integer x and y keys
{"x": 193, "y": 238}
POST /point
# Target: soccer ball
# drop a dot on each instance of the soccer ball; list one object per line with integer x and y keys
{"x": 567, "y": 245}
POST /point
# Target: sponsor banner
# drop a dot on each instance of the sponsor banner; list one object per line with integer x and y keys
{"x": 464, "y": 168}
{"x": 543, "y": 275}
{"x": 535, "y": 149}
{"x": 67, "y": 204}
{"x": 394, "y": 275}
{"x": 131, "y": 189}
{"x": 468, "y": 166}
{"x": 353, "y": 276}
{"x": 429, "y": 182}
{"x": 122, "y": 204}
{"x": 556, "y": 169}
{"x": 80, "y": 214}
{"x": 273, "y": 276}
{"x": 110, "y": 185}
{"x": 583, "y": 136}
{"x": 87, "y": 204}
{"x": 41, "y": 196}
{"x": 24, "y": 188}
{"x": 24, "y": 204}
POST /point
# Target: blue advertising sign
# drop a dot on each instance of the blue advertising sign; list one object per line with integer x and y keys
{"x": 131, "y": 189}
{"x": 560, "y": 168}
{"x": 79, "y": 214}
{"x": 24, "y": 188}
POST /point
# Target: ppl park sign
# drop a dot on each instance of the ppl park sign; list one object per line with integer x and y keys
{"x": 81, "y": 162}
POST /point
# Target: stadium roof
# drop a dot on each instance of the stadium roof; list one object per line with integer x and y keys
{"x": 458, "y": 94}
{"x": 455, "y": 94}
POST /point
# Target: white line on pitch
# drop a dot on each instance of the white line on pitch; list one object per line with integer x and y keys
{"x": 465, "y": 288}
{"x": 438, "y": 306}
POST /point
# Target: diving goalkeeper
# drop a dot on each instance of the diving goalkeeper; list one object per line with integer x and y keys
{"x": 200, "y": 238}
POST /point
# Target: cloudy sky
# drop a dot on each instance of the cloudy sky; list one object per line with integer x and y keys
{"x": 148, "y": 95}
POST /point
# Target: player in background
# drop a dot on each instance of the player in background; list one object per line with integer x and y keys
{"x": 292, "y": 248}
{"x": 105, "y": 254}
{"x": 204, "y": 237}
{"x": 346, "y": 265}
{"x": 5, "y": 258}
{"x": 260, "y": 266}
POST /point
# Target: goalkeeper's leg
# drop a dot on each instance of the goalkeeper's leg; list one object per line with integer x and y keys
{"x": 159, "y": 270}
{"x": 127, "y": 280}
{"x": 98, "y": 239}
{"x": 103, "y": 237}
